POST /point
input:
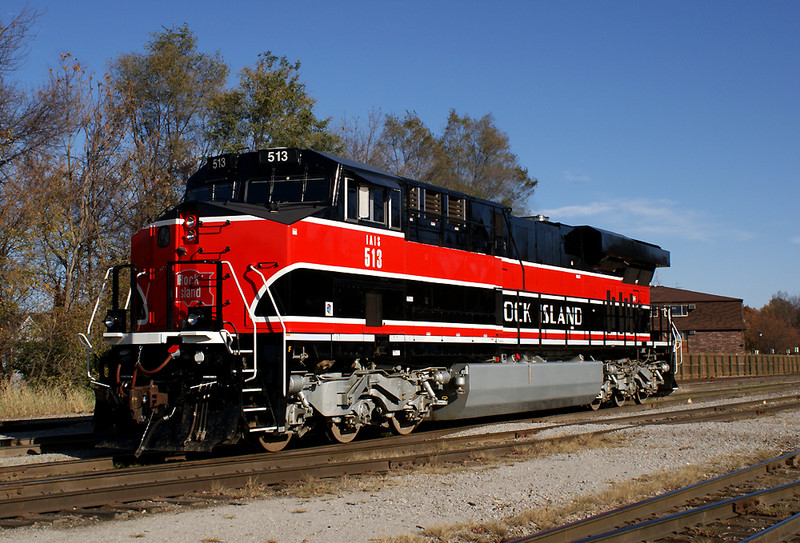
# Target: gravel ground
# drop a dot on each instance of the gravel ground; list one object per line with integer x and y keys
{"x": 404, "y": 504}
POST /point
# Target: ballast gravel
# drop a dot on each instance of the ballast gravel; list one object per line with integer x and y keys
{"x": 416, "y": 500}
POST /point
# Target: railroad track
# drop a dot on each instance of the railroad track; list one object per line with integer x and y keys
{"x": 759, "y": 503}
{"x": 86, "y": 493}
{"x": 25, "y": 437}
{"x": 11, "y": 446}
{"x": 552, "y": 422}
{"x": 44, "y": 423}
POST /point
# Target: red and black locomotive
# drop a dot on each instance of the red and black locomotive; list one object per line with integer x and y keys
{"x": 293, "y": 290}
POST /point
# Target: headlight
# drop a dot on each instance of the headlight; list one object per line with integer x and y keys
{"x": 115, "y": 320}
{"x": 191, "y": 221}
{"x": 198, "y": 317}
{"x": 191, "y": 235}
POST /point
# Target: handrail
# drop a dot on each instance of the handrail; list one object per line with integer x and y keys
{"x": 89, "y": 353}
{"x": 85, "y": 337}
{"x": 130, "y": 291}
{"x": 97, "y": 303}
{"x": 677, "y": 339}
{"x": 677, "y": 343}
{"x": 252, "y": 319}
{"x": 90, "y": 349}
{"x": 280, "y": 319}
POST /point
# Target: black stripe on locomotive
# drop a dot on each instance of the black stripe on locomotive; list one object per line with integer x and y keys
{"x": 304, "y": 292}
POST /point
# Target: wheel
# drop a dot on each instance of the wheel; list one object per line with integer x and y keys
{"x": 341, "y": 433}
{"x": 640, "y": 396}
{"x": 274, "y": 442}
{"x": 595, "y": 405}
{"x": 618, "y": 399}
{"x": 401, "y": 425}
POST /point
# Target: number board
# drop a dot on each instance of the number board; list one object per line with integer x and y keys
{"x": 222, "y": 165}
{"x": 279, "y": 156}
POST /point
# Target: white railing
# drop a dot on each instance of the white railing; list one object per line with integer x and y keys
{"x": 254, "y": 370}
{"x": 677, "y": 341}
{"x": 252, "y": 319}
{"x": 283, "y": 327}
{"x": 85, "y": 337}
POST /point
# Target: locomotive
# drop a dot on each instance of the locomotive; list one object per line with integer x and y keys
{"x": 292, "y": 290}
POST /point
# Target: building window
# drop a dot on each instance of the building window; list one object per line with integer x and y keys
{"x": 681, "y": 310}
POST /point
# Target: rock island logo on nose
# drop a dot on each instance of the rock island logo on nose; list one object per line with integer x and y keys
{"x": 193, "y": 288}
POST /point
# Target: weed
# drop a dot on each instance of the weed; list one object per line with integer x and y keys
{"x": 19, "y": 399}
{"x": 405, "y": 539}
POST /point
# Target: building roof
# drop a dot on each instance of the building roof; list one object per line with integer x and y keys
{"x": 707, "y": 312}
{"x": 663, "y": 295}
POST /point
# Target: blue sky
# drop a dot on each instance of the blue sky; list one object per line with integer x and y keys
{"x": 674, "y": 122}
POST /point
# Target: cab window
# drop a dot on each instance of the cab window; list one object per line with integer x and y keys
{"x": 372, "y": 204}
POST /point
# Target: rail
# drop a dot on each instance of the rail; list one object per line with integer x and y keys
{"x": 612, "y": 525}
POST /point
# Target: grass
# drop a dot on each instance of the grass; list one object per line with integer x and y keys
{"x": 309, "y": 488}
{"x": 18, "y": 400}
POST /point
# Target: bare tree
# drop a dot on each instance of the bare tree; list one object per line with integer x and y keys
{"x": 406, "y": 146}
{"x": 27, "y": 120}
{"x": 72, "y": 202}
{"x": 76, "y": 186}
{"x": 474, "y": 156}
{"x": 360, "y": 138}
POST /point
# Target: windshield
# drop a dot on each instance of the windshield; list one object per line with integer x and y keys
{"x": 280, "y": 185}
{"x": 216, "y": 192}
{"x": 287, "y": 189}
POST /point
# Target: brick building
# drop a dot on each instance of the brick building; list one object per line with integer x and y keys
{"x": 707, "y": 323}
